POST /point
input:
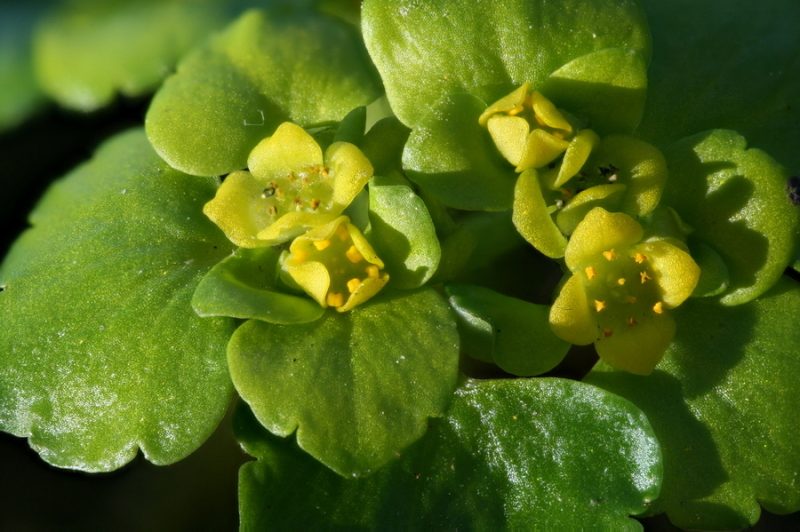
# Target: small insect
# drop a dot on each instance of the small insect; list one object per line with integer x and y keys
{"x": 793, "y": 189}
{"x": 609, "y": 172}
{"x": 268, "y": 192}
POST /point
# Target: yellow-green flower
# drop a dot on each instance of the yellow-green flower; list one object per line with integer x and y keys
{"x": 290, "y": 187}
{"x": 335, "y": 265}
{"x": 566, "y": 171}
{"x": 531, "y": 132}
{"x": 621, "y": 290}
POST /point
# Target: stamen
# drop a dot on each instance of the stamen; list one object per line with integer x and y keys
{"x": 610, "y": 255}
{"x": 658, "y": 308}
{"x": 644, "y": 276}
{"x": 335, "y": 299}
{"x": 639, "y": 258}
{"x": 599, "y": 305}
{"x": 591, "y": 273}
{"x": 322, "y": 244}
{"x": 315, "y": 204}
{"x": 353, "y": 284}
{"x": 372, "y": 271}
{"x": 621, "y": 281}
{"x": 353, "y": 255}
{"x": 342, "y": 233}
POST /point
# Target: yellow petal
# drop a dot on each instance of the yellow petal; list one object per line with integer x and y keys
{"x": 675, "y": 271}
{"x": 510, "y": 136}
{"x": 312, "y": 277}
{"x": 578, "y": 151}
{"x": 240, "y": 210}
{"x": 351, "y": 171}
{"x": 606, "y": 196}
{"x": 532, "y": 218}
{"x": 289, "y": 149}
{"x": 600, "y": 231}
{"x": 571, "y": 317}
{"x": 637, "y": 348}
{"x": 293, "y": 224}
{"x": 547, "y": 114}
{"x": 541, "y": 148}
{"x": 512, "y": 103}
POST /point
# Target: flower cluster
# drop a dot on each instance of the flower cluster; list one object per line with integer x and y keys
{"x": 292, "y": 191}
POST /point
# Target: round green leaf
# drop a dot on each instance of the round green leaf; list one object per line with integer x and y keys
{"x": 453, "y": 158}
{"x": 510, "y": 455}
{"x": 723, "y": 403}
{"x": 735, "y": 199}
{"x": 266, "y": 68}
{"x": 19, "y": 93}
{"x": 100, "y": 352}
{"x": 245, "y": 286}
{"x": 517, "y": 332}
{"x": 726, "y": 64}
{"x": 88, "y": 51}
{"x": 402, "y": 232}
{"x": 357, "y": 387}
{"x": 427, "y": 50}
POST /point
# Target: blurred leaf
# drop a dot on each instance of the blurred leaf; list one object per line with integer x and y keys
{"x": 428, "y": 50}
{"x": 89, "y": 50}
{"x": 19, "y": 93}
{"x": 726, "y": 64}
{"x": 358, "y": 387}
{"x": 723, "y": 404}
{"x": 266, "y": 68}
{"x": 735, "y": 200}
{"x": 100, "y": 352}
{"x": 513, "y": 454}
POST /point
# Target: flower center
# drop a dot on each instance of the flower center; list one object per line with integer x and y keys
{"x": 309, "y": 189}
{"x": 622, "y": 289}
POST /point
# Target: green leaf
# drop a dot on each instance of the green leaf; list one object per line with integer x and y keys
{"x": 245, "y": 286}
{"x": 357, "y": 387}
{"x": 19, "y": 93}
{"x": 516, "y": 332}
{"x": 735, "y": 199}
{"x": 453, "y": 158}
{"x": 723, "y": 403}
{"x": 266, "y": 68}
{"x": 427, "y": 50}
{"x": 510, "y": 455}
{"x": 402, "y": 232}
{"x": 87, "y": 51}
{"x": 726, "y": 64}
{"x": 100, "y": 352}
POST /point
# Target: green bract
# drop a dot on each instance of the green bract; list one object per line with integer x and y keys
{"x": 101, "y": 353}
{"x": 549, "y": 452}
{"x": 359, "y": 387}
{"x": 266, "y": 68}
{"x": 722, "y": 404}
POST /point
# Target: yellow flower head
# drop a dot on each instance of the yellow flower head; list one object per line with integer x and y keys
{"x": 336, "y": 265}
{"x": 290, "y": 187}
{"x": 531, "y": 132}
{"x": 621, "y": 290}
